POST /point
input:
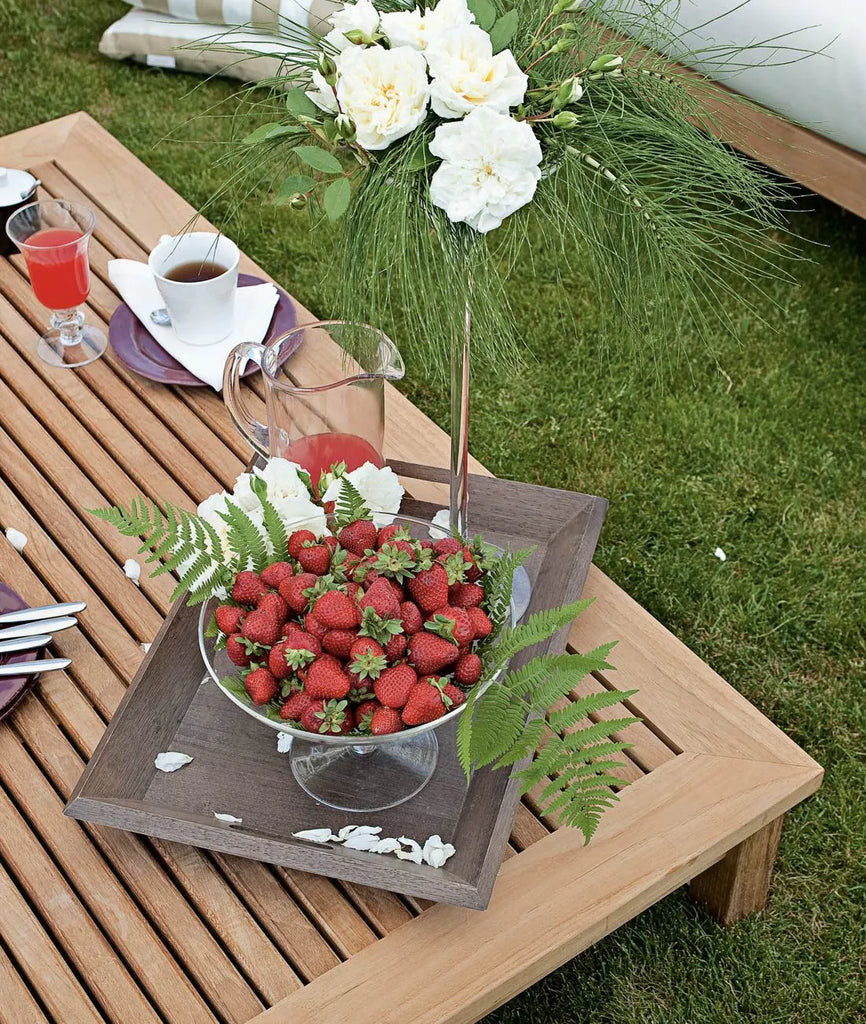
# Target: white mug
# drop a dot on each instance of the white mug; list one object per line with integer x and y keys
{"x": 202, "y": 312}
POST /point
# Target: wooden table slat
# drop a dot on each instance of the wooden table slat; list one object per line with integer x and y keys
{"x": 18, "y": 1004}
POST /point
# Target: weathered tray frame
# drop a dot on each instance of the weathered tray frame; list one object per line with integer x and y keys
{"x": 121, "y": 788}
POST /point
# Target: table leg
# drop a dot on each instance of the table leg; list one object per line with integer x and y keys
{"x": 740, "y": 882}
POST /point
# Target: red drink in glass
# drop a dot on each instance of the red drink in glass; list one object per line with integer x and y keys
{"x": 318, "y": 452}
{"x": 59, "y": 271}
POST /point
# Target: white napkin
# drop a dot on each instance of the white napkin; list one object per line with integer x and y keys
{"x": 254, "y": 307}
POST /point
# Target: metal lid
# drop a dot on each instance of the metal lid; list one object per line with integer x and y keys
{"x": 15, "y": 185}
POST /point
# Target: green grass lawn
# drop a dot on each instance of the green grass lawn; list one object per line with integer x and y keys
{"x": 760, "y": 451}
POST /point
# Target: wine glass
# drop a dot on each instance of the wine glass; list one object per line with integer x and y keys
{"x": 53, "y": 237}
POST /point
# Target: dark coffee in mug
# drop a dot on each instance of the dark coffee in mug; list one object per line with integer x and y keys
{"x": 195, "y": 270}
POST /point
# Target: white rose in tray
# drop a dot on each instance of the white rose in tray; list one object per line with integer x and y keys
{"x": 467, "y": 75}
{"x": 380, "y": 488}
{"x": 489, "y": 168}
{"x": 283, "y": 479}
{"x": 322, "y": 94}
{"x": 361, "y": 17}
{"x": 385, "y": 92}
{"x": 417, "y": 28}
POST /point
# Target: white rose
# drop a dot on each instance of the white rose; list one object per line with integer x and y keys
{"x": 416, "y": 28}
{"x": 322, "y": 95}
{"x": 243, "y": 494}
{"x": 301, "y": 513}
{"x": 211, "y": 510}
{"x": 489, "y": 168}
{"x": 359, "y": 17}
{"x": 283, "y": 479}
{"x": 466, "y": 74}
{"x": 380, "y": 488}
{"x": 384, "y": 92}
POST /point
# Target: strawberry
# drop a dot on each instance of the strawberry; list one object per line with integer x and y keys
{"x": 430, "y": 653}
{"x": 381, "y": 598}
{"x": 315, "y": 559}
{"x": 396, "y": 560}
{"x": 295, "y": 706}
{"x": 385, "y": 720}
{"x": 276, "y": 604}
{"x": 228, "y": 618}
{"x": 262, "y": 627}
{"x": 394, "y": 685}
{"x": 411, "y": 617}
{"x": 364, "y": 645}
{"x": 237, "y": 651}
{"x": 366, "y": 660}
{"x": 465, "y": 595}
{"x": 336, "y": 610}
{"x": 248, "y": 588}
{"x": 453, "y": 694}
{"x": 452, "y": 623}
{"x": 331, "y": 543}
{"x": 298, "y": 539}
{"x": 364, "y": 714}
{"x": 315, "y": 627}
{"x": 292, "y": 590}
{"x": 274, "y": 574}
{"x": 261, "y": 685}
{"x": 358, "y": 537}
{"x": 355, "y": 591}
{"x": 425, "y": 703}
{"x": 467, "y": 671}
{"x": 481, "y": 624}
{"x": 326, "y": 679}
{"x": 448, "y": 546}
{"x": 328, "y": 717}
{"x": 393, "y": 532}
{"x": 339, "y": 642}
{"x": 396, "y": 647}
{"x": 287, "y": 657}
{"x": 429, "y": 588}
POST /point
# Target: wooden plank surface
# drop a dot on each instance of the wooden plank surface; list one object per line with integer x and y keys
{"x": 192, "y": 936}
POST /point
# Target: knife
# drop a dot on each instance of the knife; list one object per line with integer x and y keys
{"x": 36, "y": 628}
{"x": 26, "y": 643}
{"x": 29, "y": 668}
{"x": 48, "y": 611}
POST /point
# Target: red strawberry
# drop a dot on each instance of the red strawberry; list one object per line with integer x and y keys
{"x": 448, "y": 546}
{"x": 366, "y": 660}
{"x": 315, "y": 559}
{"x": 355, "y": 591}
{"x": 394, "y": 686}
{"x": 331, "y": 543}
{"x": 228, "y": 618}
{"x": 481, "y": 625}
{"x": 425, "y": 703}
{"x": 411, "y": 617}
{"x": 262, "y": 627}
{"x": 467, "y": 671}
{"x": 465, "y": 595}
{"x": 339, "y": 642}
{"x": 290, "y": 655}
{"x": 452, "y": 623}
{"x": 381, "y": 598}
{"x": 292, "y": 590}
{"x": 295, "y": 706}
{"x": 315, "y": 627}
{"x": 248, "y": 588}
{"x": 237, "y": 652}
{"x": 275, "y": 573}
{"x": 396, "y": 647}
{"x": 336, "y": 610}
{"x": 429, "y": 588}
{"x": 329, "y": 717}
{"x": 454, "y": 694}
{"x": 298, "y": 539}
{"x": 357, "y": 537}
{"x": 364, "y": 714}
{"x": 386, "y": 534}
{"x": 430, "y": 653}
{"x": 276, "y": 604}
{"x": 365, "y": 645}
{"x": 385, "y": 720}
{"x": 326, "y": 679}
{"x": 261, "y": 685}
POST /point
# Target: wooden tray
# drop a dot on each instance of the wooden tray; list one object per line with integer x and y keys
{"x": 237, "y": 770}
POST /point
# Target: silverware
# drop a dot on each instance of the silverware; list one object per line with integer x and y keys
{"x": 29, "y": 668}
{"x": 48, "y": 611}
{"x": 161, "y": 317}
{"x": 35, "y": 628}
{"x": 25, "y": 643}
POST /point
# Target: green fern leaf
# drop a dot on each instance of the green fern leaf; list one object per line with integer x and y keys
{"x": 350, "y": 505}
{"x": 273, "y": 521}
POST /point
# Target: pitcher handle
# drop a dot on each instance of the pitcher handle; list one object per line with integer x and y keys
{"x": 256, "y": 433}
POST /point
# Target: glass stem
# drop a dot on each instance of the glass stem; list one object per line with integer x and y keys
{"x": 459, "y": 510}
{"x": 69, "y": 323}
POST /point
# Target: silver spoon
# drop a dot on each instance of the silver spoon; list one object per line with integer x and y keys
{"x": 29, "y": 668}
{"x": 36, "y": 628}
{"x": 161, "y": 317}
{"x": 48, "y": 611}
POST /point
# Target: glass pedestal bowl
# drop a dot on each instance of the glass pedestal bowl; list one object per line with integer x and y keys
{"x": 348, "y": 773}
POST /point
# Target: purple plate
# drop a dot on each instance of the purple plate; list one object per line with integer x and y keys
{"x": 138, "y": 350}
{"x": 13, "y": 688}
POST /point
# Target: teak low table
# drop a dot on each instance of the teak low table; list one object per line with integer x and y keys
{"x": 100, "y": 925}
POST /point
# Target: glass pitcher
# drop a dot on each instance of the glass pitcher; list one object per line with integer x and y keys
{"x": 323, "y": 405}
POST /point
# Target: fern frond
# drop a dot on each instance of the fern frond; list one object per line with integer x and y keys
{"x": 245, "y": 538}
{"x": 539, "y": 627}
{"x": 350, "y": 505}
{"x": 274, "y": 525}
{"x": 583, "y": 707}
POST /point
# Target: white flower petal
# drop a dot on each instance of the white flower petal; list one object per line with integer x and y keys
{"x": 722, "y": 557}
{"x": 436, "y": 852}
{"x": 284, "y": 742}
{"x": 440, "y": 527}
{"x": 363, "y": 830}
{"x": 171, "y": 760}
{"x": 379, "y": 487}
{"x": 361, "y": 841}
{"x": 466, "y": 74}
{"x": 132, "y": 570}
{"x": 315, "y": 835}
{"x": 16, "y": 538}
{"x": 387, "y": 846}
{"x": 145, "y": 647}
{"x": 414, "y": 852}
{"x": 229, "y": 819}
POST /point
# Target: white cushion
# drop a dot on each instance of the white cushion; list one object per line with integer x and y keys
{"x": 824, "y": 91}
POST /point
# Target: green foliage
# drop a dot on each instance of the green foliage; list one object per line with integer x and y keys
{"x": 319, "y": 159}
{"x": 350, "y": 505}
{"x": 337, "y": 197}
